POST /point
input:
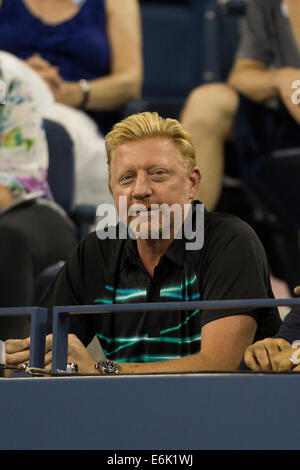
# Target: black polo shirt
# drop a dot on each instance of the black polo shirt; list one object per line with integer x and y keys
{"x": 231, "y": 265}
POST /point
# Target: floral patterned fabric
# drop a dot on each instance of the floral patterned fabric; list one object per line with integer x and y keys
{"x": 23, "y": 145}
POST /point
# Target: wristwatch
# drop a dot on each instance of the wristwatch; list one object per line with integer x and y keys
{"x": 107, "y": 367}
{"x": 85, "y": 88}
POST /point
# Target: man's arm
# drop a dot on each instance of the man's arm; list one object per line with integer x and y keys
{"x": 223, "y": 343}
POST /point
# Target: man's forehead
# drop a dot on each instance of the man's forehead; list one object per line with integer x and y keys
{"x": 163, "y": 143}
{"x": 155, "y": 150}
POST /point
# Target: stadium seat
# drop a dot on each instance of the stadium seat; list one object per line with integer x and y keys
{"x": 180, "y": 53}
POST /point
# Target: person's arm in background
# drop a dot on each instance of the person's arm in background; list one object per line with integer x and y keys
{"x": 271, "y": 354}
{"x": 254, "y": 80}
{"x": 48, "y": 72}
{"x": 125, "y": 80}
{"x": 251, "y": 74}
{"x": 125, "y": 38}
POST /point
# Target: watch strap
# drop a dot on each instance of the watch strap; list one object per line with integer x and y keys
{"x": 85, "y": 88}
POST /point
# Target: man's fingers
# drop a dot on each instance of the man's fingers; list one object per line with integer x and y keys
{"x": 250, "y": 361}
{"x": 280, "y": 361}
{"x": 256, "y": 357}
{"x": 49, "y": 340}
{"x": 18, "y": 351}
{"x": 48, "y": 358}
{"x": 273, "y": 349}
{"x": 263, "y": 359}
{"x": 16, "y": 345}
{"x": 17, "y": 358}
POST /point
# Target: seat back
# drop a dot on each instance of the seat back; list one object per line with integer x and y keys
{"x": 179, "y": 50}
{"x": 61, "y": 171}
{"x": 268, "y": 148}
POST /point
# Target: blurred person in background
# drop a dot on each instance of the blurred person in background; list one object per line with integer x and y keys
{"x": 266, "y": 64}
{"x": 34, "y": 231}
{"x": 88, "y": 52}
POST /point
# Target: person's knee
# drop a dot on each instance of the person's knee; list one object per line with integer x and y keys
{"x": 209, "y": 105}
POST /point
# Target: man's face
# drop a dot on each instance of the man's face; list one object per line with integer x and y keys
{"x": 150, "y": 172}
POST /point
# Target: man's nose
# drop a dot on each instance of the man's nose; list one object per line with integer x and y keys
{"x": 142, "y": 187}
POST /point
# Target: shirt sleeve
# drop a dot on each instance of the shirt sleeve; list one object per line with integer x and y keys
{"x": 255, "y": 39}
{"x": 290, "y": 328}
{"x": 237, "y": 268}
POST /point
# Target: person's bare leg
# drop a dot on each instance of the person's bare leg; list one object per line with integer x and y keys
{"x": 208, "y": 115}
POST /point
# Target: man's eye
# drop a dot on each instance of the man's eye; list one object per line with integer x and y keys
{"x": 159, "y": 173}
{"x": 126, "y": 178}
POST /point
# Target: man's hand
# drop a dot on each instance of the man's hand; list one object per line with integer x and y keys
{"x": 78, "y": 353}
{"x": 283, "y": 79}
{"x": 18, "y": 351}
{"x": 270, "y": 354}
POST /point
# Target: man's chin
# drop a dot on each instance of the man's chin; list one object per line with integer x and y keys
{"x": 145, "y": 231}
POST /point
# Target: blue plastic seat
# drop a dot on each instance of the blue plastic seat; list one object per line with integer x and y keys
{"x": 178, "y": 40}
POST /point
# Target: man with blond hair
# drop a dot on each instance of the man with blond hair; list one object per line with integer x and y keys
{"x": 152, "y": 165}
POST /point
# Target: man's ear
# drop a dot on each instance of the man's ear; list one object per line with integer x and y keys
{"x": 195, "y": 178}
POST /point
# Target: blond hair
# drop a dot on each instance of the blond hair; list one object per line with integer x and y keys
{"x": 148, "y": 125}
